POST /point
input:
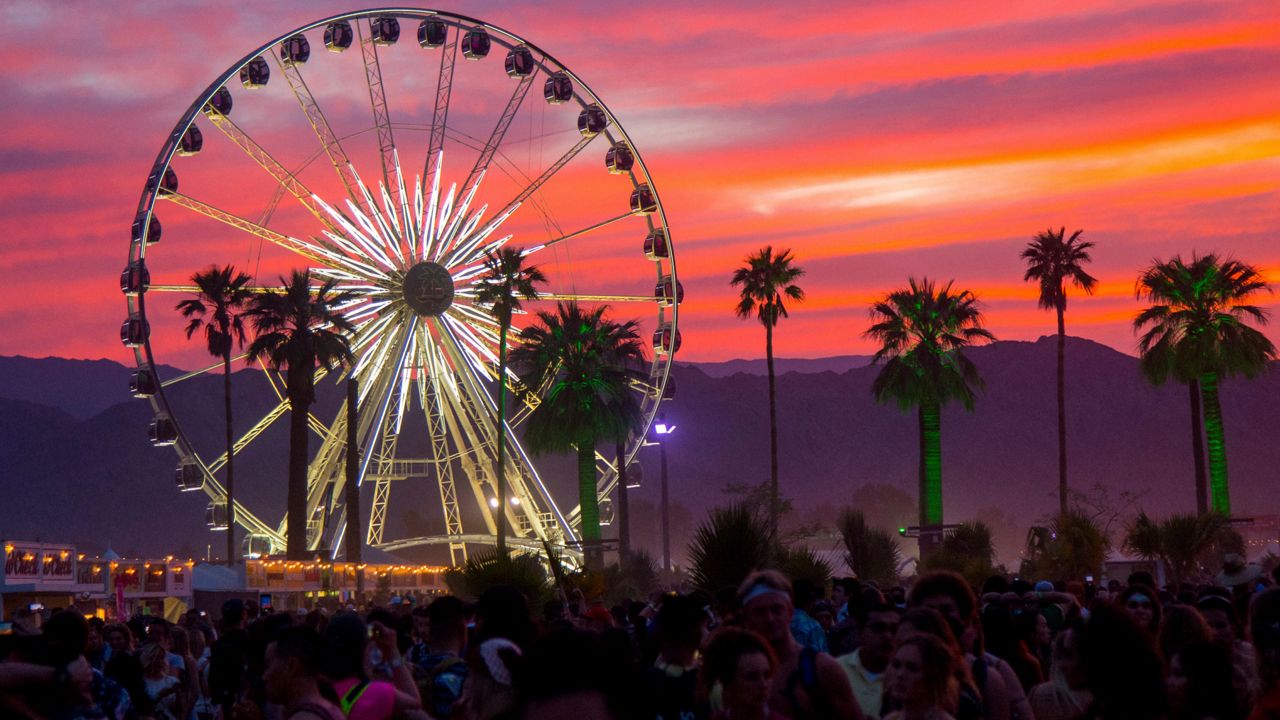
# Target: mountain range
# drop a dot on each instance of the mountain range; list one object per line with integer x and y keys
{"x": 76, "y": 464}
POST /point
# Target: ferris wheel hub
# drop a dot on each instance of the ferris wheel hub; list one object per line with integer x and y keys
{"x": 428, "y": 289}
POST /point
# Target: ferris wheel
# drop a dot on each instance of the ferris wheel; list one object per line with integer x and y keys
{"x": 398, "y": 198}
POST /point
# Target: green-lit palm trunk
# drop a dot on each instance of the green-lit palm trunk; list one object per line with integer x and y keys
{"x": 590, "y": 505}
{"x": 624, "y": 509}
{"x": 773, "y": 432}
{"x": 500, "y": 475}
{"x": 231, "y": 476}
{"x": 1220, "y": 495}
{"x": 1197, "y": 449}
{"x": 299, "y": 448}
{"x": 1062, "y": 409}
{"x": 930, "y": 464}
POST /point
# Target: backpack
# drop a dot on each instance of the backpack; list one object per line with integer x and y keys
{"x": 425, "y": 677}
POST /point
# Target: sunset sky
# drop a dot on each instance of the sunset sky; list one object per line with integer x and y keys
{"x": 877, "y": 140}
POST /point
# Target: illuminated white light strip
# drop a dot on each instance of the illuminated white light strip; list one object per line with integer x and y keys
{"x": 445, "y": 210}
{"x": 527, "y": 463}
{"x": 394, "y": 233}
{"x": 428, "y": 230}
{"x": 416, "y": 236}
{"x": 486, "y": 232}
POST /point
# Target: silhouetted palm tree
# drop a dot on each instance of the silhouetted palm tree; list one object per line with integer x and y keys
{"x": 586, "y": 363}
{"x": 504, "y": 285}
{"x": 1196, "y": 331}
{"x": 221, "y": 296}
{"x": 1179, "y": 540}
{"x": 766, "y": 281}
{"x": 297, "y": 329}
{"x": 1052, "y": 260}
{"x": 923, "y": 331}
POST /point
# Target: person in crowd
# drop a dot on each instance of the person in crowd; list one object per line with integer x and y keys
{"x": 440, "y": 670}
{"x": 680, "y": 627}
{"x": 1065, "y": 695}
{"x": 971, "y": 705}
{"x": 119, "y": 640}
{"x": 1180, "y": 626}
{"x": 1121, "y": 666}
{"x": 180, "y": 645}
{"x": 1200, "y": 683}
{"x": 292, "y": 676}
{"x": 1223, "y": 621}
{"x": 742, "y": 664}
{"x": 421, "y": 627}
{"x": 348, "y": 646}
{"x": 163, "y": 688}
{"x": 998, "y": 684}
{"x": 502, "y": 611}
{"x": 807, "y": 631}
{"x": 229, "y": 658}
{"x": 866, "y": 665}
{"x": 1264, "y": 631}
{"x": 160, "y": 633}
{"x": 1143, "y": 605}
{"x": 1000, "y": 635}
{"x": 843, "y": 591}
{"x": 922, "y": 679}
{"x": 823, "y": 613}
{"x": 1033, "y": 631}
{"x": 808, "y": 684}
{"x": 490, "y": 693}
{"x": 570, "y": 674}
{"x": 95, "y": 651}
{"x": 201, "y": 639}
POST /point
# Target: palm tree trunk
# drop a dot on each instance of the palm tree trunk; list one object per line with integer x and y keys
{"x": 500, "y": 475}
{"x": 931, "y": 454}
{"x": 1062, "y": 412}
{"x": 296, "y": 503}
{"x": 590, "y": 504}
{"x": 773, "y": 432}
{"x": 1197, "y": 449}
{"x": 352, "y": 490}
{"x": 231, "y": 476}
{"x": 1214, "y": 435}
{"x": 624, "y": 519}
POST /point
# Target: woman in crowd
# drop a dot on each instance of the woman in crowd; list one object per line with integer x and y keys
{"x": 742, "y": 664}
{"x": 1200, "y": 683}
{"x": 1143, "y": 605}
{"x": 922, "y": 679}
{"x": 163, "y": 689}
{"x": 1065, "y": 695}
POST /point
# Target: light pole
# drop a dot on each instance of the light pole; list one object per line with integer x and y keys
{"x": 661, "y": 429}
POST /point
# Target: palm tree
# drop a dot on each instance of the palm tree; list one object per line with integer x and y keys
{"x": 504, "y": 285}
{"x": 1052, "y": 259}
{"x": 1069, "y": 547}
{"x": 297, "y": 329}
{"x": 728, "y": 546}
{"x": 766, "y": 281}
{"x": 870, "y": 552}
{"x": 1196, "y": 331}
{"x": 221, "y": 296}
{"x": 1179, "y": 540}
{"x": 923, "y": 331}
{"x": 587, "y": 363}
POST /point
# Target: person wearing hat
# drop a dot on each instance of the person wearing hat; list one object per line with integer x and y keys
{"x": 1236, "y": 572}
{"x": 1221, "y": 617}
{"x": 489, "y": 692}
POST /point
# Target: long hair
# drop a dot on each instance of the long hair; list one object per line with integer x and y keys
{"x": 938, "y": 664}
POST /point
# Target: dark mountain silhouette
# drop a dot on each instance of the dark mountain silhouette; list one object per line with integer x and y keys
{"x": 759, "y": 366}
{"x": 70, "y": 474}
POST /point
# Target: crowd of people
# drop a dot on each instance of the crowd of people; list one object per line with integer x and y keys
{"x": 933, "y": 649}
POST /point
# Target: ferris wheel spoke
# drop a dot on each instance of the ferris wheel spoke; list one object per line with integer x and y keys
{"x": 572, "y": 235}
{"x": 470, "y": 385}
{"x": 440, "y": 116}
{"x": 252, "y": 434}
{"x": 466, "y": 245}
{"x": 597, "y": 298}
{"x": 310, "y": 251}
{"x": 329, "y": 142}
{"x": 195, "y": 373}
{"x": 486, "y": 153}
{"x": 278, "y": 172}
{"x": 378, "y": 99}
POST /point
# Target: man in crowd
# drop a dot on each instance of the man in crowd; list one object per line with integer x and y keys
{"x": 808, "y": 684}
{"x": 866, "y": 665}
